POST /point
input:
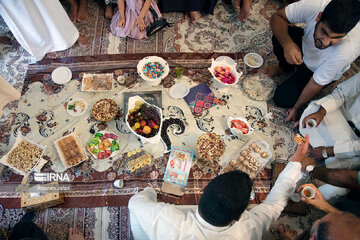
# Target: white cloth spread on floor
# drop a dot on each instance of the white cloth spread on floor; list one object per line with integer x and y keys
{"x": 327, "y": 64}
{"x": 166, "y": 221}
{"x": 40, "y": 26}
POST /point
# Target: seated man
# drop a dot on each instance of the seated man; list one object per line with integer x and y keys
{"x": 221, "y": 211}
{"x": 321, "y": 52}
{"x": 336, "y": 225}
{"x": 332, "y": 138}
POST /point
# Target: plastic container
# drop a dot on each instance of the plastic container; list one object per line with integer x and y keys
{"x": 252, "y": 157}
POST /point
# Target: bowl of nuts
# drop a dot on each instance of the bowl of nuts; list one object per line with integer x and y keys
{"x": 23, "y": 156}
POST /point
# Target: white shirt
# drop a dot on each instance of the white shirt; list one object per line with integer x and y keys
{"x": 327, "y": 64}
{"x": 40, "y": 26}
{"x": 165, "y": 221}
{"x": 346, "y": 97}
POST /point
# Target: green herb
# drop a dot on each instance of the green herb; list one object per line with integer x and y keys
{"x": 71, "y": 107}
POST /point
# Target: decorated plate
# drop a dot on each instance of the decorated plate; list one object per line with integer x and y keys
{"x": 103, "y": 145}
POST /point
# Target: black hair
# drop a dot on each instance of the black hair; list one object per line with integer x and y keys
{"x": 225, "y": 198}
{"x": 322, "y": 232}
{"x": 341, "y": 15}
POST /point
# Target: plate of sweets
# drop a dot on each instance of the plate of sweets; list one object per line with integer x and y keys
{"x": 224, "y": 73}
{"x": 144, "y": 119}
{"x": 137, "y": 162}
{"x": 153, "y": 69}
{"x": 239, "y": 126}
{"x": 251, "y": 159}
{"x": 210, "y": 146}
{"x": 104, "y": 110}
{"x": 23, "y": 156}
{"x": 97, "y": 82}
{"x": 103, "y": 145}
{"x": 70, "y": 150}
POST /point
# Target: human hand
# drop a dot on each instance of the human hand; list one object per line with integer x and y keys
{"x": 318, "y": 201}
{"x": 292, "y": 115}
{"x": 301, "y": 151}
{"x": 121, "y": 22}
{"x": 317, "y": 116}
{"x": 292, "y": 54}
{"x": 140, "y": 23}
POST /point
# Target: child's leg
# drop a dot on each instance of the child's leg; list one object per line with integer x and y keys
{"x": 108, "y": 11}
{"x": 83, "y": 11}
{"x": 121, "y": 6}
{"x": 73, "y": 10}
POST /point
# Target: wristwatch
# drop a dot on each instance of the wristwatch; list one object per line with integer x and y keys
{"x": 309, "y": 168}
{"x": 324, "y": 153}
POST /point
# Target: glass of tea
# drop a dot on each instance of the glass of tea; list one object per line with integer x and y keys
{"x": 308, "y": 192}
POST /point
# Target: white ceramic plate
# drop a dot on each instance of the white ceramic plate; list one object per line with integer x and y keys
{"x": 61, "y": 75}
{"x": 179, "y": 90}
{"x": 253, "y": 60}
{"x": 150, "y": 81}
{"x": 80, "y": 110}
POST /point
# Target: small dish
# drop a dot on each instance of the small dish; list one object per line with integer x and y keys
{"x": 179, "y": 90}
{"x": 61, "y": 75}
{"x": 151, "y": 60}
{"x": 103, "y": 145}
{"x": 253, "y": 60}
{"x": 76, "y": 107}
{"x": 223, "y": 64}
{"x": 237, "y": 131}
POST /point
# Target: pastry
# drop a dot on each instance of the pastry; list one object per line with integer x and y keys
{"x": 70, "y": 150}
{"x": 210, "y": 146}
{"x": 245, "y": 162}
{"x": 264, "y": 154}
{"x": 244, "y": 153}
{"x": 248, "y": 157}
{"x": 138, "y": 162}
{"x": 97, "y": 82}
{"x": 257, "y": 149}
{"x": 253, "y": 160}
{"x": 253, "y": 145}
{"x": 298, "y": 138}
{"x": 257, "y": 164}
{"x": 241, "y": 158}
{"x": 104, "y": 110}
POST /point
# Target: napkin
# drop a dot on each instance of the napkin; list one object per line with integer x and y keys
{"x": 200, "y": 98}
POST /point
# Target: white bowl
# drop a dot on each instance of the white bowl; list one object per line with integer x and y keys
{"x": 236, "y": 131}
{"x": 151, "y": 81}
{"x": 253, "y": 60}
{"x": 131, "y": 105}
{"x": 224, "y": 63}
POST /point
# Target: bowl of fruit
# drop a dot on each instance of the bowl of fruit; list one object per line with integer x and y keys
{"x": 144, "y": 119}
{"x": 224, "y": 73}
{"x": 239, "y": 126}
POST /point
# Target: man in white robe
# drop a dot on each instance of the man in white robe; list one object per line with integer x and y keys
{"x": 40, "y": 26}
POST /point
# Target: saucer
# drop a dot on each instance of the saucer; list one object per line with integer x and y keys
{"x": 253, "y": 60}
{"x": 179, "y": 90}
{"x": 61, "y": 75}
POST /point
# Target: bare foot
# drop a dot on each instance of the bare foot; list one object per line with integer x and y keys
{"x": 5, "y": 40}
{"x": 285, "y": 233}
{"x": 82, "y": 14}
{"x": 73, "y": 10}
{"x": 186, "y": 15}
{"x": 83, "y": 41}
{"x": 194, "y": 16}
{"x": 75, "y": 234}
{"x": 108, "y": 12}
{"x": 244, "y": 12}
{"x": 273, "y": 70}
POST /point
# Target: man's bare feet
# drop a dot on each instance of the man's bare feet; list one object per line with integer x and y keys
{"x": 75, "y": 234}
{"x": 83, "y": 41}
{"x": 244, "y": 11}
{"x": 108, "y": 11}
{"x": 273, "y": 70}
{"x": 285, "y": 233}
{"x": 194, "y": 16}
{"x": 73, "y": 10}
{"x": 82, "y": 14}
{"x": 5, "y": 40}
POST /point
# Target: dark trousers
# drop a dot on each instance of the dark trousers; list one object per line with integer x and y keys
{"x": 25, "y": 229}
{"x": 287, "y": 93}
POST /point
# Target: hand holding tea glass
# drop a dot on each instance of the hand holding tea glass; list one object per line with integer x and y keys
{"x": 316, "y": 116}
{"x": 317, "y": 200}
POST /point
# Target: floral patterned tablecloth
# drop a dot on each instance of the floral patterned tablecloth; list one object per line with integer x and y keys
{"x": 42, "y": 117}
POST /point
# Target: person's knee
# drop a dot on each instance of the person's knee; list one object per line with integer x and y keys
{"x": 281, "y": 97}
